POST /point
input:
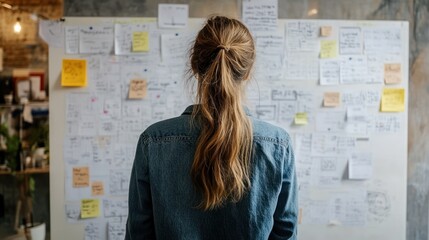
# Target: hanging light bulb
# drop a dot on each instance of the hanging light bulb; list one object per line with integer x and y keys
{"x": 17, "y": 26}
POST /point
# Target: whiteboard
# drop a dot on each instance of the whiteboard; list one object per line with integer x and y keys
{"x": 330, "y": 206}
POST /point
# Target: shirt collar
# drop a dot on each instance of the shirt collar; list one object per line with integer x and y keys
{"x": 189, "y": 109}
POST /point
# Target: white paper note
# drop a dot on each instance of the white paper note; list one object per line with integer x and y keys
{"x": 329, "y": 72}
{"x": 260, "y": 15}
{"x": 51, "y": 31}
{"x": 350, "y": 40}
{"x": 72, "y": 39}
{"x": 96, "y": 38}
{"x": 173, "y": 15}
{"x": 360, "y": 166}
{"x": 353, "y": 70}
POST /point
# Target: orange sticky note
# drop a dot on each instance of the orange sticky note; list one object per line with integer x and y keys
{"x": 73, "y": 73}
{"x": 97, "y": 188}
{"x": 80, "y": 177}
{"x": 331, "y": 99}
{"x": 392, "y": 73}
{"x": 89, "y": 208}
{"x": 325, "y": 31}
{"x": 138, "y": 89}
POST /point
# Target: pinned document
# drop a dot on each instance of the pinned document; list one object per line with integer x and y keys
{"x": 360, "y": 166}
{"x": 393, "y": 100}
{"x": 301, "y": 118}
{"x": 140, "y": 41}
{"x": 73, "y": 73}
{"x": 89, "y": 208}
{"x": 138, "y": 89}
{"x": 173, "y": 15}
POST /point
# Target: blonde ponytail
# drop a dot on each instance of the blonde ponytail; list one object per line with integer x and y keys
{"x": 221, "y": 60}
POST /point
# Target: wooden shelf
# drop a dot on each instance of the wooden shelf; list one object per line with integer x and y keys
{"x": 32, "y": 104}
{"x": 27, "y": 171}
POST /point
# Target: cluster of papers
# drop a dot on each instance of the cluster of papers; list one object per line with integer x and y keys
{"x": 331, "y": 84}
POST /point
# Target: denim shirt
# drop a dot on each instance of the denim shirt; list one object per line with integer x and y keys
{"x": 163, "y": 200}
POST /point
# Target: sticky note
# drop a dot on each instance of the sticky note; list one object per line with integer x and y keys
{"x": 140, "y": 41}
{"x": 331, "y": 99}
{"x": 73, "y": 73}
{"x": 392, "y": 73}
{"x": 89, "y": 208}
{"x": 328, "y": 49}
{"x": 97, "y": 188}
{"x": 325, "y": 31}
{"x": 80, "y": 177}
{"x": 301, "y": 118}
{"x": 138, "y": 89}
{"x": 393, "y": 100}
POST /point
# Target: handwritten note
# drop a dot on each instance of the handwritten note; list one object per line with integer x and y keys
{"x": 81, "y": 177}
{"x": 329, "y": 72}
{"x": 72, "y": 39}
{"x": 350, "y": 40}
{"x": 89, "y": 208}
{"x": 393, "y": 100}
{"x": 173, "y": 15}
{"x": 392, "y": 73}
{"x": 260, "y": 15}
{"x": 360, "y": 166}
{"x": 51, "y": 31}
{"x": 73, "y": 73}
{"x": 353, "y": 69}
{"x": 328, "y": 49}
{"x": 140, "y": 41}
{"x": 325, "y": 31}
{"x": 301, "y": 118}
{"x": 331, "y": 99}
{"x": 97, "y": 188}
{"x": 138, "y": 89}
{"x": 96, "y": 39}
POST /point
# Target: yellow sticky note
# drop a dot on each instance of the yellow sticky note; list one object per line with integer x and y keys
{"x": 138, "y": 89}
{"x": 80, "y": 177}
{"x": 392, "y": 73}
{"x": 325, "y": 31}
{"x": 301, "y": 118}
{"x": 97, "y": 188}
{"x": 393, "y": 100}
{"x": 73, "y": 73}
{"x": 89, "y": 208}
{"x": 331, "y": 99}
{"x": 140, "y": 41}
{"x": 328, "y": 49}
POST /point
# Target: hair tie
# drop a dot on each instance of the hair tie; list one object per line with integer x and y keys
{"x": 221, "y": 46}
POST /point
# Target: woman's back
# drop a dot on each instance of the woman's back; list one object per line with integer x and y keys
{"x": 163, "y": 162}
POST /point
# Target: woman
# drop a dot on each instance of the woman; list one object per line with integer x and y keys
{"x": 215, "y": 172}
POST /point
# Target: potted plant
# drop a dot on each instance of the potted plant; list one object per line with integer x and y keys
{"x": 11, "y": 147}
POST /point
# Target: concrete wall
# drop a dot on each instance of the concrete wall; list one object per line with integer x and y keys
{"x": 414, "y": 11}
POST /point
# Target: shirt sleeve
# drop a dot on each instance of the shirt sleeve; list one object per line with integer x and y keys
{"x": 286, "y": 213}
{"x": 140, "y": 223}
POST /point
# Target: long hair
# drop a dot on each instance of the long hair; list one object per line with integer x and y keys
{"x": 221, "y": 60}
